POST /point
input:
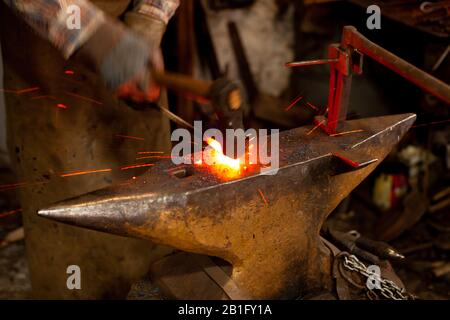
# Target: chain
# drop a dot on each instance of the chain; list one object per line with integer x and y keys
{"x": 387, "y": 288}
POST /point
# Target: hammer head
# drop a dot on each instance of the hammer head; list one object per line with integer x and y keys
{"x": 227, "y": 99}
{"x": 266, "y": 226}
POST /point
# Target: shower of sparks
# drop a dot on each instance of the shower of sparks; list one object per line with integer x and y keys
{"x": 137, "y": 166}
{"x": 293, "y": 103}
{"x": 430, "y": 123}
{"x": 9, "y": 213}
{"x": 263, "y": 197}
{"x": 312, "y": 106}
{"x": 129, "y": 137}
{"x": 78, "y": 173}
{"x": 79, "y": 96}
{"x": 313, "y": 129}
{"x": 346, "y": 132}
{"x": 61, "y": 106}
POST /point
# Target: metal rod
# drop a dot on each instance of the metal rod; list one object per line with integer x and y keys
{"x": 352, "y": 38}
{"x": 172, "y": 116}
{"x": 310, "y": 62}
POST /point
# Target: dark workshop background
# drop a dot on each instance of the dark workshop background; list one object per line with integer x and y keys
{"x": 404, "y": 202}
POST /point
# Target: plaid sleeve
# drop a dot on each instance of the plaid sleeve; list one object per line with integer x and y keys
{"x": 57, "y": 20}
{"x": 160, "y": 9}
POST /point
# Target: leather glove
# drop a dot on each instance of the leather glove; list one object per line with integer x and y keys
{"x": 149, "y": 28}
{"x": 124, "y": 60}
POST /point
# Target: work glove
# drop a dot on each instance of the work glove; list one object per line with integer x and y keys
{"x": 125, "y": 61}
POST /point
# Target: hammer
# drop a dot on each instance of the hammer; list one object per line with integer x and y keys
{"x": 224, "y": 95}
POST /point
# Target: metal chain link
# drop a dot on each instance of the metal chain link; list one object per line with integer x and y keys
{"x": 388, "y": 289}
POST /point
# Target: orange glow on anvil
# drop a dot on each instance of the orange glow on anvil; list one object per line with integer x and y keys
{"x": 218, "y": 163}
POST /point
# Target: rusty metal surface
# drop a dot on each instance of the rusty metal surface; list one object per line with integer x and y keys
{"x": 274, "y": 244}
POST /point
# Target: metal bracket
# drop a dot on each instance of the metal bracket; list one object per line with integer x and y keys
{"x": 346, "y": 59}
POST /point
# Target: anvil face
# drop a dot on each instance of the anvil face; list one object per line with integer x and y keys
{"x": 272, "y": 243}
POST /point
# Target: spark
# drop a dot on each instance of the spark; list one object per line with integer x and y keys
{"x": 312, "y": 106}
{"x": 20, "y": 91}
{"x": 12, "y": 186}
{"x": 61, "y": 106}
{"x": 129, "y": 137}
{"x": 318, "y": 125}
{"x": 9, "y": 213}
{"x": 43, "y": 97}
{"x": 155, "y": 157}
{"x": 78, "y": 173}
{"x": 83, "y": 97}
{"x": 346, "y": 132}
{"x": 430, "y": 123}
{"x": 150, "y": 152}
{"x": 263, "y": 197}
{"x": 8, "y": 90}
{"x": 5, "y": 187}
{"x": 176, "y": 168}
{"x": 293, "y": 103}
{"x": 137, "y": 166}
{"x": 27, "y": 90}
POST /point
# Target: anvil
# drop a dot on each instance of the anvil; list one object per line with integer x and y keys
{"x": 273, "y": 245}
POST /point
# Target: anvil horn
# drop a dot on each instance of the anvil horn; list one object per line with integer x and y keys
{"x": 266, "y": 226}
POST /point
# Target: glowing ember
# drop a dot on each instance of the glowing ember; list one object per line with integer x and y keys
{"x": 293, "y": 103}
{"x": 61, "y": 106}
{"x": 219, "y": 163}
{"x": 79, "y": 96}
{"x": 129, "y": 137}
{"x": 346, "y": 132}
{"x": 312, "y": 106}
{"x": 27, "y": 90}
{"x": 77, "y": 173}
{"x": 9, "y": 213}
{"x": 263, "y": 197}
{"x": 139, "y": 165}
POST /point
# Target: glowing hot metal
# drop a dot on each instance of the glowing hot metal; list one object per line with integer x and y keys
{"x": 220, "y": 164}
